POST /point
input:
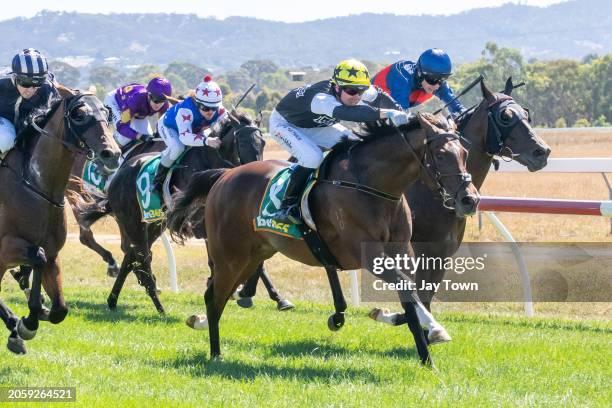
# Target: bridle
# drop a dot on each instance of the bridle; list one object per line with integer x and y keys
{"x": 74, "y": 142}
{"x": 76, "y": 124}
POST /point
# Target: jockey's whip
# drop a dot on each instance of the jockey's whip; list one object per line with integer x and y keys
{"x": 467, "y": 88}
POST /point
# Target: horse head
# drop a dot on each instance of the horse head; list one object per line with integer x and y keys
{"x": 444, "y": 166}
{"x": 508, "y": 132}
{"x": 87, "y": 130}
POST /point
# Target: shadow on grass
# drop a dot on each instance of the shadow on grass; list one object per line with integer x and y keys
{"x": 319, "y": 349}
{"x": 199, "y": 365}
{"x": 99, "y": 312}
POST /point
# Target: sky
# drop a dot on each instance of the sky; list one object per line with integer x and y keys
{"x": 275, "y": 10}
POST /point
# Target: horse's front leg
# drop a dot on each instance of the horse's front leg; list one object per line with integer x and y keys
{"x": 52, "y": 282}
{"x": 336, "y": 321}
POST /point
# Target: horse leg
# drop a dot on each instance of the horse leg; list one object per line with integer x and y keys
{"x": 22, "y": 276}
{"x": 336, "y": 321}
{"x": 52, "y": 282}
{"x": 281, "y": 304}
{"x": 249, "y": 289}
{"x": 87, "y": 238}
{"x": 17, "y": 250}
{"x": 224, "y": 283}
{"x": 10, "y": 319}
{"x": 126, "y": 267}
{"x": 147, "y": 280}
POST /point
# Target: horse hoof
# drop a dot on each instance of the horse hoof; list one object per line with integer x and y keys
{"x": 283, "y": 305}
{"x": 43, "y": 315}
{"x": 216, "y": 357}
{"x": 158, "y": 290}
{"x": 16, "y": 345}
{"x": 197, "y": 322}
{"x": 245, "y": 302}
{"x": 335, "y": 321}
{"x": 112, "y": 270}
{"x": 24, "y": 332}
{"x": 438, "y": 335}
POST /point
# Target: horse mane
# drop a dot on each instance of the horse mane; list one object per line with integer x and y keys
{"x": 373, "y": 130}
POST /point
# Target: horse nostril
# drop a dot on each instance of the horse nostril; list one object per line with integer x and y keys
{"x": 106, "y": 154}
{"x": 541, "y": 152}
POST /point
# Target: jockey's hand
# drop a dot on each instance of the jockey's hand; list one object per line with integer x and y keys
{"x": 145, "y": 138}
{"x": 213, "y": 142}
{"x": 397, "y": 117}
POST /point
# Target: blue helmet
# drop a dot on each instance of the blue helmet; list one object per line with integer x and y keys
{"x": 30, "y": 62}
{"x": 435, "y": 63}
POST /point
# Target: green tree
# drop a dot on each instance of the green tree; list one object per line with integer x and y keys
{"x": 191, "y": 74}
{"x": 582, "y": 122}
{"x": 65, "y": 74}
{"x": 144, "y": 73}
{"x": 106, "y": 77}
{"x": 560, "y": 123}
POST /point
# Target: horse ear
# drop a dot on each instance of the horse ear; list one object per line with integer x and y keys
{"x": 509, "y": 86}
{"x": 485, "y": 91}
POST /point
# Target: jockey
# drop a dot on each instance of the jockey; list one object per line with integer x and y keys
{"x": 30, "y": 86}
{"x": 411, "y": 84}
{"x": 307, "y": 119}
{"x": 131, "y": 105}
{"x": 185, "y": 123}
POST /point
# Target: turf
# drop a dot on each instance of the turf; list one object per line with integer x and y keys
{"x": 134, "y": 357}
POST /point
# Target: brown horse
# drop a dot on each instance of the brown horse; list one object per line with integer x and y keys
{"x": 34, "y": 180}
{"x": 498, "y": 126}
{"x": 241, "y": 142}
{"x": 388, "y": 160}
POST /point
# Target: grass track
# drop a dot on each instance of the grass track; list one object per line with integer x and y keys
{"x": 291, "y": 359}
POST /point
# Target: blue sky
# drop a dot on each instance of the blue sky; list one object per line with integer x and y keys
{"x": 264, "y": 9}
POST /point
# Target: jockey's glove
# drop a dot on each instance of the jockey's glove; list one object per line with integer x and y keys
{"x": 398, "y": 117}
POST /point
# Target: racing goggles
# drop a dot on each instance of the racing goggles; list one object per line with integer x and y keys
{"x": 25, "y": 81}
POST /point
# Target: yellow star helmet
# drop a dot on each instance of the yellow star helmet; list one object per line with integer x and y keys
{"x": 351, "y": 73}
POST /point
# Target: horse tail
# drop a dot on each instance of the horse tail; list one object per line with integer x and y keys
{"x": 90, "y": 207}
{"x": 177, "y": 219}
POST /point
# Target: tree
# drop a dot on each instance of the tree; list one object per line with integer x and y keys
{"x": 256, "y": 68}
{"x": 106, "y": 77}
{"x": 190, "y": 73}
{"x": 65, "y": 74}
{"x": 144, "y": 73}
{"x": 560, "y": 123}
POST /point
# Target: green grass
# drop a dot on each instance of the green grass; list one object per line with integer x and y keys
{"x": 130, "y": 356}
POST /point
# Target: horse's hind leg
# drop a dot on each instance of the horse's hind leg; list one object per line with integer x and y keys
{"x": 281, "y": 304}
{"x": 22, "y": 276}
{"x": 146, "y": 279}
{"x": 87, "y": 238}
{"x": 224, "y": 283}
{"x": 126, "y": 267}
{"x": 14, "y": 343}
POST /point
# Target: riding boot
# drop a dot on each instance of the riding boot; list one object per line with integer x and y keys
{"x": 289, "y": 210}
{"x": 160, "y": 177}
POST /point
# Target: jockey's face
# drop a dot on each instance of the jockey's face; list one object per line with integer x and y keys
{"x": 429, "y": 88}
{"x": 207, "y": 113}
{"x": 348, "y": 99}
{"x": 155, "y": 106}
{"x": 27, "y": 93}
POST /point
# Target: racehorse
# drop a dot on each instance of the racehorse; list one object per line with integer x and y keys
{"x": 497, "y": 127}
{"x": 367, "y": 207}
{"x": 32, "y": 219}
{"x": 241, "y": 142}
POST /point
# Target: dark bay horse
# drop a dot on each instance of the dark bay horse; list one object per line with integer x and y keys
{"x": 498, "y": 126}
{"x": 34, "y": 180}
{"x": 76, "y": 189}
{"x": 241, "y": 142}
{"x": 388, "y": 160}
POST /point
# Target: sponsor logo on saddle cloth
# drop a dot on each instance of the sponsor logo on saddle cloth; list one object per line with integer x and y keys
{"x": 93, "y": 179}
{"x": 150, "y": 203}
{"x": 270, "y": 203}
